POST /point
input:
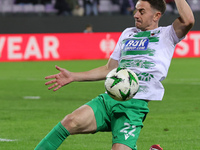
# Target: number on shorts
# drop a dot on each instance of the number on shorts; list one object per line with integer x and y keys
{"x": 125, "y": 130}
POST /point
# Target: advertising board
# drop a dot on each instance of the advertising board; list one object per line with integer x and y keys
{"x": 76, "y": 46}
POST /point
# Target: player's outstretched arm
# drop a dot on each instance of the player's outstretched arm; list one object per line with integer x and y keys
{"x": 186, "y": 20}
{"x": 65, "y": 77}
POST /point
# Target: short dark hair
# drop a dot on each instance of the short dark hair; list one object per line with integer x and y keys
{"x": 159, "y": 5}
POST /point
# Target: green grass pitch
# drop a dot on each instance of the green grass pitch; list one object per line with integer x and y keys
{"x": 28, "y": 111}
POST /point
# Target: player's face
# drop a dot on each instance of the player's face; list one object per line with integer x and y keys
{"x": 144, "y": 16}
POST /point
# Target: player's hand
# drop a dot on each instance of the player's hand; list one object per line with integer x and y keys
{"x": 59, "y": 80}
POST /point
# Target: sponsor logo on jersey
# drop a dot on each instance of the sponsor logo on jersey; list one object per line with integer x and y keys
{"x": 136, "y": 44}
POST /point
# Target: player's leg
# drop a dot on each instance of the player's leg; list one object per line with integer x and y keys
{"x": 118, "y": 146}
{"x": 81, "y": 120}
{"x": 127, "y": 122}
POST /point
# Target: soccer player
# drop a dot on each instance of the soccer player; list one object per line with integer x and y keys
{"x": 147, "y": 49}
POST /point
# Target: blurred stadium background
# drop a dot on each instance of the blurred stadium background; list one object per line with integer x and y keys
{"x": 41, "y": 18}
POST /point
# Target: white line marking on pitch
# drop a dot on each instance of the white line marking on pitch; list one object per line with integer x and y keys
{"x": 6, "y": 140}
{"x": 31, "y": 97}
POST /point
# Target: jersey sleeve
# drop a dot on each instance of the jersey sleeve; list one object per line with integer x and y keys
{"x": 117, "y": 51}
{"x": 172, "y": 34}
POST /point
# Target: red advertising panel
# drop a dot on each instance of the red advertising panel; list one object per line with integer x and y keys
{"x": 68, "y": 46}
{"x": 189, "y": 46}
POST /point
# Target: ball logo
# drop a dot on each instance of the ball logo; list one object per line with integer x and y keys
{"x": 107, "y": 45}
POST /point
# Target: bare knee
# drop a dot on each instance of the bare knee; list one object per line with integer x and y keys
{"x": 82, "y": 120}
{"x": 71, "y": 123}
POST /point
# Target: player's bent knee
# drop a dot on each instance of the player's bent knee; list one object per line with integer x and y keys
{"x": 71, "y": 123}
{"x": 81, "y": 120}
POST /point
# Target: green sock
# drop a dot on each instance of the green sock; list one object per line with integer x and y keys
{"x": 54, "y": 138}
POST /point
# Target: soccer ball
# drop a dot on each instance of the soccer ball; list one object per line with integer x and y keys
{"x": 121, "y": 84}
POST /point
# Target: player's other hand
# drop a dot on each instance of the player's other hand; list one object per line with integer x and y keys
{"x": 59, "y": 80}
